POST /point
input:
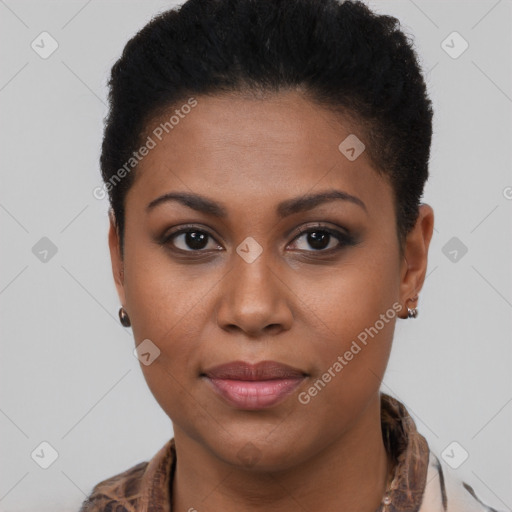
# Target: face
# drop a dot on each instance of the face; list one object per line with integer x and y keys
{"x": 247, "y": 269}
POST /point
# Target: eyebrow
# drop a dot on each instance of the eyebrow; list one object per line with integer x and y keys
{"x": 288, "y": 207}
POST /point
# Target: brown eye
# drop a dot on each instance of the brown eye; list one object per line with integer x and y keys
{"x": 322, "y": 239}
{"x": 190, "y": 240}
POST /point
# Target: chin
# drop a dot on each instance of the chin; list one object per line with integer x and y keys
{"x": 263, "y": 455}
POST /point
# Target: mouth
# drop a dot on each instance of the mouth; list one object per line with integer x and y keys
{"x": 254, "y": 386}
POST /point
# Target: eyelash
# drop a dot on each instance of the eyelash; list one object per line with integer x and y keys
{"x": 344, "y": 239}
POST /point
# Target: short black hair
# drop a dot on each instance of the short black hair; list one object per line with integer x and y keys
{"x": 340, "y": 54}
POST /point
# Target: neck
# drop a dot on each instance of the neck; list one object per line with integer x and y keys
{"x": 349, "y": 474}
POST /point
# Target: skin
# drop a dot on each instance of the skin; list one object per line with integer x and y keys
{"x": 293, "y": 304}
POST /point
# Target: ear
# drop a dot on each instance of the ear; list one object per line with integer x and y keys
{"x": 115, "y": 257}
{"x": 414, "y": 265}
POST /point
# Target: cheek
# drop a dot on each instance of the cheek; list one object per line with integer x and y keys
{"x": 170, "y": 314}
{"x": 355, "y": 317}
{"x": 163, "y": 297}
{"x": 350, "y": 298}
{"x": 168, "y": 305}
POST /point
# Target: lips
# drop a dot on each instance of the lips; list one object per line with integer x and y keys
{"x": 247, "y": 386}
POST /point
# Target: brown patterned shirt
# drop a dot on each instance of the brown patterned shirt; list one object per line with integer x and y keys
{"x": 421, "y": 481}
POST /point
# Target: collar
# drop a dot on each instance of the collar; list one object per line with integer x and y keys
{"x": 410, "y": 452}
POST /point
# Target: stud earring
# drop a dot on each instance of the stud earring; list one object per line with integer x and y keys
{"x": 124, "y": 318}
{"x": 412, "y": 312}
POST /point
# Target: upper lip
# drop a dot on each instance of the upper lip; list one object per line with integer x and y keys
{"x": 264, "y": 370}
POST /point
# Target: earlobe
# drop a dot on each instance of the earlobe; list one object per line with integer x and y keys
{"x": 415, "y": 261}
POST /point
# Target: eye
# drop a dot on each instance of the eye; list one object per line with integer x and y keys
{"x": 322, "y": 239}
{"x": 191, "y": 239}
{"x": 319, "y": 238}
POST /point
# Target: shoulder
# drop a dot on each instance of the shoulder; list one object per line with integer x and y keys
{"x": 137, "y": 487}
{"x": 445, "y": 493}
{"x": 118, "y": 493}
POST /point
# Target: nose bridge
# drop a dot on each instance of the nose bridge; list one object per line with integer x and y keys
{"x": 252, "y": 280}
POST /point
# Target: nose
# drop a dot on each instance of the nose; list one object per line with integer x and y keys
{"x": 254, "y": 299}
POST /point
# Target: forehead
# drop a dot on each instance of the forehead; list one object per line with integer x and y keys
{"x": 240, "y": 148}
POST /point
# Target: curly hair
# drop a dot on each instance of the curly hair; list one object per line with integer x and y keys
{"x": 341, "y": 55}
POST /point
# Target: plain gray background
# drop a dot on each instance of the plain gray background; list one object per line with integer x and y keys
{"x": 68, "y": 373}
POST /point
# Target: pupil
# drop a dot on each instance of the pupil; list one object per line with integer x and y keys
{"x": 318, "y": 239}
{"x": 195, "y": 240}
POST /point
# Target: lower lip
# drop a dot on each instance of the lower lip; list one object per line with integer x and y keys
{"x": 254, "y": 394}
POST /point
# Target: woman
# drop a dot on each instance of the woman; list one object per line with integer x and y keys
{"x": 265, "y": 162}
